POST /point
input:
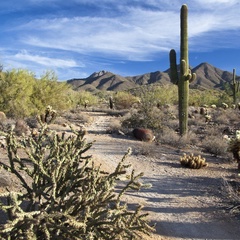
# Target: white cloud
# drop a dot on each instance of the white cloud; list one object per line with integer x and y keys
{"x": 135, "y": 35}
{"x": 50, "y": 62}
{"x": 135, "y": 30}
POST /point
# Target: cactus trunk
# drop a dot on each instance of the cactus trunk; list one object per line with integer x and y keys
{"x": 185, "y": 73}
{"x": 235, "y": 87}
{"x": 183, "y": 86}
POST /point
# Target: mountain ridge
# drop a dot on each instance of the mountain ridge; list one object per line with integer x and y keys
{"x": 208, "y": 77}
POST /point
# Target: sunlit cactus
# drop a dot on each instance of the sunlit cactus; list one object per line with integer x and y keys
{"x": 185, "y": 76}
{"x": 192, "y": 161}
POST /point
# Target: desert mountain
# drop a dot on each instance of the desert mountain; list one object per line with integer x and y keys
{"x": 102, "y": 80}
{"x": 208, "y": 77}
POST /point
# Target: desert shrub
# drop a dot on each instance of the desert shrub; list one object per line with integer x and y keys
{"x": 221, "y": 117}
{"x": 231, "y": 190}
{"x": 151, "y": 109}
{"x": 226, "y": 116}
{"x": 23, "y": 95}
{"x": 77, "y": 117}
{"x": 170, "y": 137}
{"x": 114, "y": 126}
{"x": 21, "y": 128}
{"x": 145, "y": 119}
{"x": 48, "y": 91}
{"x": 86, "y": 99}
{"x": 207, "y": 97}
{"x": 124, "y": 100}
{"x": 67, "y": 196}
{"x": 16, "y": 87}
{"x": 215, "y": 145}
{"x": 145, "y": 149}
{"x": 154, "y": 95}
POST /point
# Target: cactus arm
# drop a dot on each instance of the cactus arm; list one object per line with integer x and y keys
{"x": 193, "y": 78}
{"x": 173, "y": 67}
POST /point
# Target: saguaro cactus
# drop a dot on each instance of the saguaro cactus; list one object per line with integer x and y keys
{"x": 234, "y": 87}
{"x": 185, "y": 76}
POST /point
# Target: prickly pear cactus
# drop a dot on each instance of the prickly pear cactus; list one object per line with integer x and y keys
{"x": 185, "y": 76}
{"x": 191, "y": 161}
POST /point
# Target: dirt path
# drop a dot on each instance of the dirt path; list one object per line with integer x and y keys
{"x": 183, "y": 203}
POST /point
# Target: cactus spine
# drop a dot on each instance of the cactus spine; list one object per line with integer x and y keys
{"x": 234, "y": 86}
{"x": 185, "y": 77}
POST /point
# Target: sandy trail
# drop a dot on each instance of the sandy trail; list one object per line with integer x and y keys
{"x": 183, "y": 203}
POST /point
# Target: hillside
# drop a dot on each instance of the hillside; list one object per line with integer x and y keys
{"x": 208, "y": 77}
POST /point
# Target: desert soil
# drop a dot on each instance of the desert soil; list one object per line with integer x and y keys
{"x": 182, "y": 203}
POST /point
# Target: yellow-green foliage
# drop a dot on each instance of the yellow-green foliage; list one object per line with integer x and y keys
{"x": 67, "y": 197}
{"x": 153, "y": 95}
{"x": 84, "y": 97}
{"x": 124, "y": 100}
{"x": 23, "y": 95}
{"x": 208, "y": 97}
{"x": 16, "y": 88}
{"x": 48, "y": 91}
{"x": 152, "y": 99}
{"x": 192, "y": 161}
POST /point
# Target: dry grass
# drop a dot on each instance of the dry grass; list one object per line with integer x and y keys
{"x": 115, "y": 125}
{"x": 231, "y": 190}
{"x": 77, "y": 117}
{"x": 215, "y": 145}
{"x": 145, "y": 149}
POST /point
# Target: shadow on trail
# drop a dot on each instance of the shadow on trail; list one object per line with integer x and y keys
{"x": 163, "y": 200}
{"x": 201, "y": 230}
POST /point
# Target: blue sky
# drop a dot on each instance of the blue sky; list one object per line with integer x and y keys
{"x": 128, "y": 37}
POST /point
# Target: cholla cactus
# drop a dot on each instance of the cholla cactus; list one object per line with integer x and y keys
{"x": 67, "y": 196}
{"x": 49, "y": 116}
{"x": 234, "y": 147}
{"x": 192, "y": 161}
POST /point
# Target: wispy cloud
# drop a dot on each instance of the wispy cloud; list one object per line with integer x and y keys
{"x": 46, "y": 61}
{"x": 134, "y": 30}
{"x": 136, "y": 34}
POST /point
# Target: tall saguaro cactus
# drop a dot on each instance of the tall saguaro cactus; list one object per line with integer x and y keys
{"x": 234, "y": 86}
{"x": 185, "y": 76}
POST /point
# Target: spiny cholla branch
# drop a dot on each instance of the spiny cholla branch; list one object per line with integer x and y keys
{"x": 67, "y": 196}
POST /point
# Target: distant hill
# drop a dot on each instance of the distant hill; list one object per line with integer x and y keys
{"x": 102, "y": 80}
{"x": 208, "y": 77}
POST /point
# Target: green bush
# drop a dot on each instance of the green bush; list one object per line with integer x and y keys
{"x": 86, "y": 98}
{"x": 150, "y": 112}
{"x": 124, "y": 100}
{"x": 16, "y": 88}
{"x": 48, "y": 91}
{"x": 23, "y": 95}
{"x": 67, "y": 196}
{"x": 208, "y": 97}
